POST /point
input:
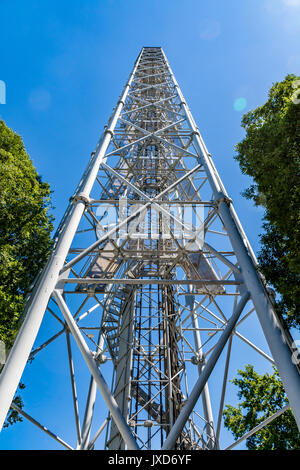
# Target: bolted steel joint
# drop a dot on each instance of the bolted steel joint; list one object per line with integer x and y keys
{"x": 81, "y": 197}
{"x": 196, "y": 132}
{"x": 148, "y": 423}
{"x": 196, "y": 360}
{"x": 100, "y": 358}
{"x": 109, "y": 131}
{"x": 222, "y": 197}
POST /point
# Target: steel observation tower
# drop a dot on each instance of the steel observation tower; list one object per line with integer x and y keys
{"x": 149, "y": 288}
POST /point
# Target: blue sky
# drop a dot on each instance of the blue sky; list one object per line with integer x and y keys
{"x": 64, "y": 64}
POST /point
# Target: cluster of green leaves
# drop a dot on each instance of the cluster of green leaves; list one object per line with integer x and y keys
{"x": 261, "y": 396}
{"x": 25, "y": 228}
{"x": 270, "y": 154}
{"x": 13, "y": 415}
{"x": 25, "y": 241}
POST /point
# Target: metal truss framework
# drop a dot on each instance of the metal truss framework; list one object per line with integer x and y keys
{"x": 153, "y": 310}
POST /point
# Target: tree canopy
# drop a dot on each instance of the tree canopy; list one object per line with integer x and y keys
{"x": 270, "y": 154}
{"x": 261, "y": 396}
{"x": 25, "y": 228}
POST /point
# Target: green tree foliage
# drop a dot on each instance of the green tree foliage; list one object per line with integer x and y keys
{"x": 261, "y": 396}
{"x": 13, "y": 416}
{"x": 270, "y": 154}
{"x": 25, "y": 227}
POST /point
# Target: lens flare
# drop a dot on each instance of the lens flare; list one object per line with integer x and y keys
{"x": 240, "y": 104}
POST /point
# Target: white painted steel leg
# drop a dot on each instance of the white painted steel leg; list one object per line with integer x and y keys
{"x": 88, "y": 415}
{"x": 205, "y": 394}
